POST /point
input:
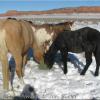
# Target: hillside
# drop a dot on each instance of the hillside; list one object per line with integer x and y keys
{"x": 94, "y": 9}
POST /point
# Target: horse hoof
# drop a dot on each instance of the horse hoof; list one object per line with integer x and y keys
{"x": 82, "y": 74}
{"x": 96, "y": 74}
{"x": 21, "y": 80}
{"x": 65, "y": 72}
{"x": 9, "y": 93}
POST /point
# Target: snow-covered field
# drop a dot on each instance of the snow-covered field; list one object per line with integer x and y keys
{"x": 53, "y": 84}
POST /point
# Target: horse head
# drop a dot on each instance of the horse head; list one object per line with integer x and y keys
{"x": 49, "y": 56}
{"x": 48, "y": 60}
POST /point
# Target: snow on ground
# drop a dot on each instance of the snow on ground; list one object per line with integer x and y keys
{"x": 81, "y": 24}
{"x": 53, "y": 84}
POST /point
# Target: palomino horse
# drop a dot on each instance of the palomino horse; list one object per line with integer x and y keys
{"x": 82, "y": 40}
{"x": 46, "y": 33}
{"x": 16, "y": 37}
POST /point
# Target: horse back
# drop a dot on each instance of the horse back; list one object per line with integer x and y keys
{"x": 27, "y": 33}
{"x": 79, "y": 40}
{"x": 18, "y": 34}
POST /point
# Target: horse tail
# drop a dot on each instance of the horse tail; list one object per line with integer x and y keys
{"x": 4, "y": 60}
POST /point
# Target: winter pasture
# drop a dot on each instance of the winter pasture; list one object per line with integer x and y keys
{"x": 53, "y": 84}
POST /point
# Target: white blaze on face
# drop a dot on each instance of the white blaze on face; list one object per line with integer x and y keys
{"x": 42, "y": 35}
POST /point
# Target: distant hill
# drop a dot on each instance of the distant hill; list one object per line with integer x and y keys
{"x": 83, "y": 9}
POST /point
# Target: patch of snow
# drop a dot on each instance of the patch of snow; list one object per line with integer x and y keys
{"x": 53, "y": 84}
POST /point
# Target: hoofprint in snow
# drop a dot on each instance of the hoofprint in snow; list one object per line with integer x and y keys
{"x": 53, "y": 84}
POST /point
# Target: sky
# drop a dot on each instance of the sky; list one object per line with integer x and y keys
{"x": 38, "y": 5}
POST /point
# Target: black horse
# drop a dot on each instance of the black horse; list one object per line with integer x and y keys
{"x": 82, "y": 40}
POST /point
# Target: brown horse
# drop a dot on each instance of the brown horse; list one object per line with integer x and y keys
{"x": 16, "y": 37}
{"x": 46, "y": 33}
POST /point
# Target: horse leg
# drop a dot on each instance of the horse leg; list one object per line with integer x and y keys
{"x": 88, "y": 56}
{"x": 64, "y": 55}
{"x": 97, "y": 66}
{"x": 19, "y": 64}
{"x": 97, "y": 58}
{"x": 24, "y": 63}
{"x": 5, "y": 71}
